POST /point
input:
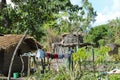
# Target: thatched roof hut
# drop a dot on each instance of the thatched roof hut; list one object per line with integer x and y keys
{"x": 8, "y": 44}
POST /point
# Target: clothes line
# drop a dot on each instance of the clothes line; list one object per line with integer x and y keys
{"x": 57, "y": 56}
{"x": 41, "y": 54}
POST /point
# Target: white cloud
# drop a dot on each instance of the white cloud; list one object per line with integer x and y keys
{"x": 100, "y": 19}
{"x": 108, "y": 13}
{"x": 116, "y": 5}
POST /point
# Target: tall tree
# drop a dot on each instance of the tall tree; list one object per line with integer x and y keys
{"x": 35, "y": 14}
{"x": 79, "y": 17}
{"x": 109, "y": 32}
{"x": 97, "y": 33}
{"x": 115, "y": 27}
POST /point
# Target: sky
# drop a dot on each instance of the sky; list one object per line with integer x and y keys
{"x": 106, "y": 10}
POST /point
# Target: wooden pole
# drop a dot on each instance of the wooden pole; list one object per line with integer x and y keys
{"x": 93, "y": 60}
{"x": 15, "y": 51}
{"x": 72, "y": 64}
{"x": 48, "y": 62}
{"x": 22, "y": 65}
{"x": 28, "y": 73}
{"x": 69, "y": 60}
{"x": 42, "y": 62}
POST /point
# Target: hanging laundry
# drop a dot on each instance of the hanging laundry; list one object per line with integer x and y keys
{"x": 71, "y": 51}
{"x": 60, "y": 56}
{"x": 33, "y": 54}
{"x": 67, "y": 55}
{"x": 52, "y": 56}
{"x": 40, "y": 53}
{"x": 26, "y": 54}
{"x": 55, "y": 56}
{"x": 48, "y": 55}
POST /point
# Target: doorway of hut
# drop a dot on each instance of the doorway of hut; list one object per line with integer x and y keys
{"x": 1, "y": 60}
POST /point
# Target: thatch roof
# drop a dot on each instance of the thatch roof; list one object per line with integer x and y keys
{"x": 13, "y": 39}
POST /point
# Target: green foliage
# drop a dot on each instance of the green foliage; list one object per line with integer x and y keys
{"x": 114, "y": 77}
{"x": 117, "y": 41}
{"x": 104, "y": 49}
{"x": 62, "y": 74}
{"x": 3, "y": 30}
{"x": 80, "y": 55}
{"x": 97, "y": 33}
{"x": 43, "y": 15}
{"x": 24, "y": 16}
{"x": 100, "y": 59}
{"x": 101, "y": 42}
{"x": 101, "y": 56}
{"x": 100, "y": 53}
{"x": 114, "y": 28}
{"x": 109, "y": 32}
{"x": 116, "y": 57}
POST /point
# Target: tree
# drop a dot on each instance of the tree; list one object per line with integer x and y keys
{"x": 79, "y": 17}
{"x": 114, "y": 28}
{"x": 97, "y": 33}
{"x": 36, "y": 14}
{"x": 5, "y": 21}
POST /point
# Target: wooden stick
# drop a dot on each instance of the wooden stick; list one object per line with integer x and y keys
{"x": 15, "y": 51}
{"x": 93, "y": 60}
{"x": 22, "y": 65}
{"x": 28, "y": 73}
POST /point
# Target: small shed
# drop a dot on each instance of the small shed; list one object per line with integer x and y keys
{"x": 70, "y": 42}
{"x": 114, "y": 48}
{"x": 72, "y": 38}
{"x": 8, "y": 44}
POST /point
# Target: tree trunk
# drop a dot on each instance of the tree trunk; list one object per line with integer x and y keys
{"x": 2, "y": 4}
